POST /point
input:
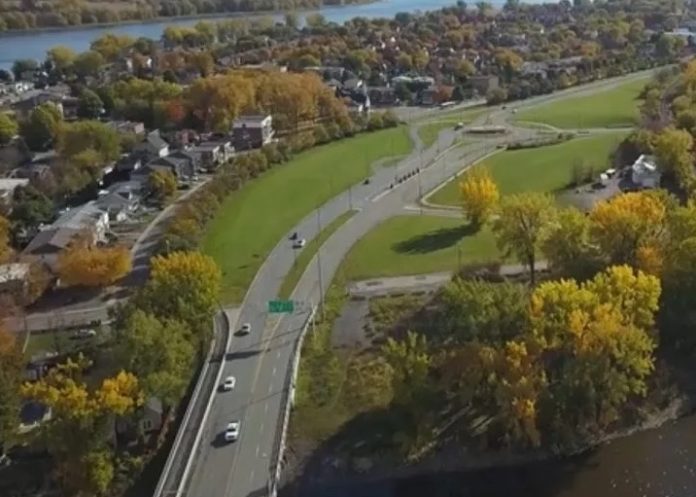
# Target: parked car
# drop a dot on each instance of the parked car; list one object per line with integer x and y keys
{"x": 232, "y": 431}
{"x": 85, "y": 333}
{"x": 459, "y": 126}
{"x": 298, "y": 244}
{"x": 229, "y": 383}
{"x": 245, "y": 329}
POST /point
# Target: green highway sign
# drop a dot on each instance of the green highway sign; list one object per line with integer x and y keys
{"x": 281, "y": 306}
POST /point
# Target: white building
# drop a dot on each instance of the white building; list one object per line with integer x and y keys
{"x": 644, "y": 172}
{"x": 9, "y": 185}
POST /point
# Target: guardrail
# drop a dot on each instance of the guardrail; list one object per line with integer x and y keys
{"x": 174, "y": 473}
{"x": 287, "y": 401}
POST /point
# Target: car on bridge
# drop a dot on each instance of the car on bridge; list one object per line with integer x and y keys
{"x": 229, "y": 383}
{"x": 232, "y": 431}
{"x": 245, "y": 329}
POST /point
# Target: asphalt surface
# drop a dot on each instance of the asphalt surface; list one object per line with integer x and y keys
{"x": 261, "y": 360}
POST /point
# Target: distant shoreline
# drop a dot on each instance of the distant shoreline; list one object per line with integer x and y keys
{"x": 164, "y": 19}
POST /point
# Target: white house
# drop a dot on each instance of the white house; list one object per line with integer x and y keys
{"x": 644, "y": 172}
{"x": 85, "y": 218}
{"x": 9, "y": 185}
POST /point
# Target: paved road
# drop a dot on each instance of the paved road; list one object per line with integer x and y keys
{"x": 261, "y": 360}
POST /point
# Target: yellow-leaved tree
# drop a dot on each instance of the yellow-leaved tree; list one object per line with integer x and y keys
{"x": 84, "y": 265}
{"x": 479, "y": 195}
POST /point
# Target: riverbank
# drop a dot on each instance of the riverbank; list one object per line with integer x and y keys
{"x": 175, "y": 19}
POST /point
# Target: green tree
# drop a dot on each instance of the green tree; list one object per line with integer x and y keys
{"x": 61, "y": 57}
{"x": 88, "y": 64}
{"x": 90, "y": 106}
{"x": 42, "y": 126}
{"x": 21, "y": 66}
{"x": 410, "y": 362}
{"x": 8, "y": 128}
{"x": 674, "y": 151}
{"x": 11, "y": 375}
{"x": 567, "y": 245}
{"x": 30, "y": 208}
{"x": 520, "y": 226}
{"x": 89, "y": 135}
{"x": 163, "y": 185}
{"x": 159, "y": 353}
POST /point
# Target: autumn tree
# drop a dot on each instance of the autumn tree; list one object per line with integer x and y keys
{"x": 183, "y": 286}
{"x": 80, "y": 420}
{"x": 88, "y": 64}
{"x": 479, "y": 195}
{"x": 8, "y": 128}
{"x": 630, "y": 228}
{"x": 30, "y": 208}
{"x": 158, "y": 352}
{"x": 5, "y": 235}
{"x": 674, "y": 152}
{"x": 61, "y": 57}
{"x": 82, "y": 264}
{"x": 79, "y": 136}
{"x": 410, "y": 361}
{"x": 520, "y": 226}
{"x": 90, "y": 106}
{"x": 163, "y": 185}
{"x": 11, "y": 374}
{"x": 217, "y": 100}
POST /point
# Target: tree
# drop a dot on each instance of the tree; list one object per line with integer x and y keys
{"x": 163, "y": 185}
{"x": 88, "y": 64}
{"x": 158, "y": 352}
{"x": 183, "y": 286}
{"x": 79, "y": 136}
{"x": 496, "y": 96}
{"x": 520, "y": 225}
{"x": 567, "y": 246}
{"x": 42, "y": 126}
{"x": 409, "y": 361}
{"x": 8, "y": 128}
{"x": 11, "y": 375}
{"x": 627, "y": 225}
{"x": 84, "y": 265}
{"x": 110, "y": 46}
{"x": 291, "y": 20}
{"x": 21, "y": 66}
{"x": 61, "y": 57}
{"x": 479, "y": 195}
{"x": 674, "y": 151}
{"x": 90, "y": 106}
{"x": 5, "y": 235}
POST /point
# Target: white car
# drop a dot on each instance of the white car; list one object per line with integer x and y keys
{"x": 298, "y": 244}
{"x": 245, "y": 329}
{"x": 232, "y": 431}
{"x": 85, "y": 333}
{"x": 229, "y": 383}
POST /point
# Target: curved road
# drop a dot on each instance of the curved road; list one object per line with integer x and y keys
{"x": 261, "y": 360}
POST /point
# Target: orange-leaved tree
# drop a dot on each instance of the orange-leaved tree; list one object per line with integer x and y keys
{"x": 479, "y": 195}
{"x": 84, "y": 265}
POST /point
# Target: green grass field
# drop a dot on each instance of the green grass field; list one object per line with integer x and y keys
{"x": 418, "y": 244}
{"x": 251, "y": 221}
{"x": 543, "y": 169}
{"x": 610, "y": 108}
{"x": 298, "y": 268}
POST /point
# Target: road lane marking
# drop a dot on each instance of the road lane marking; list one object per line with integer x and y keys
{"x": 265, "y": 407}
{"x": 274, "y": 370}
{"x": 261, "y": 428}
{"x": 257, "y": 450}
{"x": 251, "y": 476}
{"x": 278, "y": 354}
{"x": 270, "y": 388}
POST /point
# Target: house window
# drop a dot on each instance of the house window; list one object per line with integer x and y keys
{"x": 147, "y": 424}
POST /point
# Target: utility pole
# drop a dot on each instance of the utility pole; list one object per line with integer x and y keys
{"x": 350, "y": 197}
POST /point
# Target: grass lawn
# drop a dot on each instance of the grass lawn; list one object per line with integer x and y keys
{"x": 298, "y": 268}
{"x": 418, "y": 244}
{"x": 252, "y": 220}
{"x": 543, "y": 169}
{"x": 614, "y": 107}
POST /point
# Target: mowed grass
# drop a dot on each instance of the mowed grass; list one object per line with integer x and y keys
{"x": 310, "y": 250}
{"x": 544, "y": 169}
{"x": 405, "y": 245}
{"x": 609, "y": 108}
{"x": 251, "y": 221}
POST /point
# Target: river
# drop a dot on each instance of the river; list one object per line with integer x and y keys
{"x": 33, "y": 45}
{"x": 653, "y": 463}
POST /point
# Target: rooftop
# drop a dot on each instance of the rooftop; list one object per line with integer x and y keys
{"x": 13, "y": 271}
{"x": 80, "y": 217}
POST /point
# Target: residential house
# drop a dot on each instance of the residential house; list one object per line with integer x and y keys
{"x": 121, "y": 199}
{"x": 181, "y": 167}
{"x": 153, "y": 146}
{"x": 428, "y": 96}
{"x": 192, "y": 157}
{"x": 382, "y": 96}
{"x": 32, "y": 99}
{"x": 8, "y": 186}
{"x": 483, "y": 84}
{"x": 644, "y": 172}
{"x": 87, "y": 218}
{"x": 128, "y": 127}
{"x": 13, "y": 278}
{"x": 128, "y": 164}
{"x": 151, "y": 416}
{"x": 213, "y": 153}
{"x": 252, "y": 131}
{"x": 48, "y": 243}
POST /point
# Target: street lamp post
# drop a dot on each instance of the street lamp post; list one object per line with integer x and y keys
{"x": 321, "y": 282}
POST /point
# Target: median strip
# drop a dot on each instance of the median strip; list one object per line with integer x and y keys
{"x": 300, "y": 264}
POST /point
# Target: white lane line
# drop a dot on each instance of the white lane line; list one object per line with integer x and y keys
{"x": 265, "y": 407}
{"x": 278, "y": 354}
{"x": 261, "y": 428}
{"x": 270, "y": 388}
{"x": 257, "y": 450}
{"x": 274, "y": 370}
{"x": 251, "y": 476}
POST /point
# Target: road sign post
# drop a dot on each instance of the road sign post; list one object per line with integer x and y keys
{"x": 281, "y": 306}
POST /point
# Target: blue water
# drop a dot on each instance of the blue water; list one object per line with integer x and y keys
{"x": 34, "y": 45}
